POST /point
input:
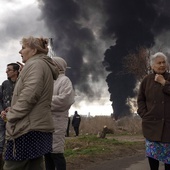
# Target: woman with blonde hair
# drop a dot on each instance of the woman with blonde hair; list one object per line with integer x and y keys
{"x": 29, "y": 124}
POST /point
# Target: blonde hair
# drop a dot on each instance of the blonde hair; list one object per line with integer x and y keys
{"x": 41, "y": 44}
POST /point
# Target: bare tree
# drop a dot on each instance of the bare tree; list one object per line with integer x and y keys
{"x": 138, "y": 63}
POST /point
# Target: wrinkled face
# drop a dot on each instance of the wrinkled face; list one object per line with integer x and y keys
{"x": 26, "y": 53}
{"x": 11, "y": 73}
{"x": 159, "y": 65}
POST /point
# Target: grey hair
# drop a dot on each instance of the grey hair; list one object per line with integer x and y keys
{"x": 156, "y": 55}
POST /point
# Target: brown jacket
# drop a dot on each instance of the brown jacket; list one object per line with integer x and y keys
{"x": 154, "y": 108}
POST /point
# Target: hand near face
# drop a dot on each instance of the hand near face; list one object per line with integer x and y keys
{"x": 160, "y": 79}
{"x": 21, "y": 65}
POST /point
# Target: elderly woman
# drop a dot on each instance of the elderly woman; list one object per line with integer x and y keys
{"x": 154, "y": 109}
{"x": 29, "y": 124}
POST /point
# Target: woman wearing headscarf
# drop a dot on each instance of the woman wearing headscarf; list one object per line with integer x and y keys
{"x": 63, "y": 98}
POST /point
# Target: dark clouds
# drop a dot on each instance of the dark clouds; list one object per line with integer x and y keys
{"x": 18, "y": 20}
{"x": 82, "y": 30}
{"x": 133, "y": 24}
{"x": 72, "y": 24}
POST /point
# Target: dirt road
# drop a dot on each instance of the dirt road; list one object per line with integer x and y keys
{"x": 126, "y": 160}
{"x": 137, "y": 162}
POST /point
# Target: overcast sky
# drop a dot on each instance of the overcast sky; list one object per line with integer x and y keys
{"x": 21, "y": 18}
{"x": 18, "y": 18}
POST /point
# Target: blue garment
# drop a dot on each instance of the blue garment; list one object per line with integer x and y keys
{"x": 28, "y": 146}
{"x": 158, "y": 150}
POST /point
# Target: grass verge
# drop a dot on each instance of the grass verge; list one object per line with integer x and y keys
{"x": 84, "y": 150}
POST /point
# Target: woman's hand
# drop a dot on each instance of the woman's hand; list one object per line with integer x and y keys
{"x": 20, "y": 65}
{"x": 3, "y": 115}
{"x": 160, "y": 79}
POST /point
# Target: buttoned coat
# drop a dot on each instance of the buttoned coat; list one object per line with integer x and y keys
{"x": 154, "y": 108}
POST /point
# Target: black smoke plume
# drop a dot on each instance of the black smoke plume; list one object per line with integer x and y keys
{"x": 81, "y": 27}
{"x": 134, "y": 24}
{"x": 69, "y": 23}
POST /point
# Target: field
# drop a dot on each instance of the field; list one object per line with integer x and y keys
{"x": 125, "y": 138}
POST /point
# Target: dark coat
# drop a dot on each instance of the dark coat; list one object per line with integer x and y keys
{"x": 154, "y": 108}
{"x": 76, "y": 120}
{"x": 6, "y": 91}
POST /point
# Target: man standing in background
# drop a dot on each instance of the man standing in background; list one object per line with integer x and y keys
{"x": 6, "y": 92}
{"x": 76, "y": 122}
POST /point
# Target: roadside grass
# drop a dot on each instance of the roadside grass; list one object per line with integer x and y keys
{"x": 88, "y": 145}
{"x": 91, "y": 145}
{"x": 126, "y": 139}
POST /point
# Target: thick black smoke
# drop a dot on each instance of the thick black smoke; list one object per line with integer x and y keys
{"x": 134, "y": 24}
{"x": 130, "y": 24}
{"x": 74, "y": 40}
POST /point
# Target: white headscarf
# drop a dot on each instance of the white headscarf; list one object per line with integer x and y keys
{"x": 60, "y": 63}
